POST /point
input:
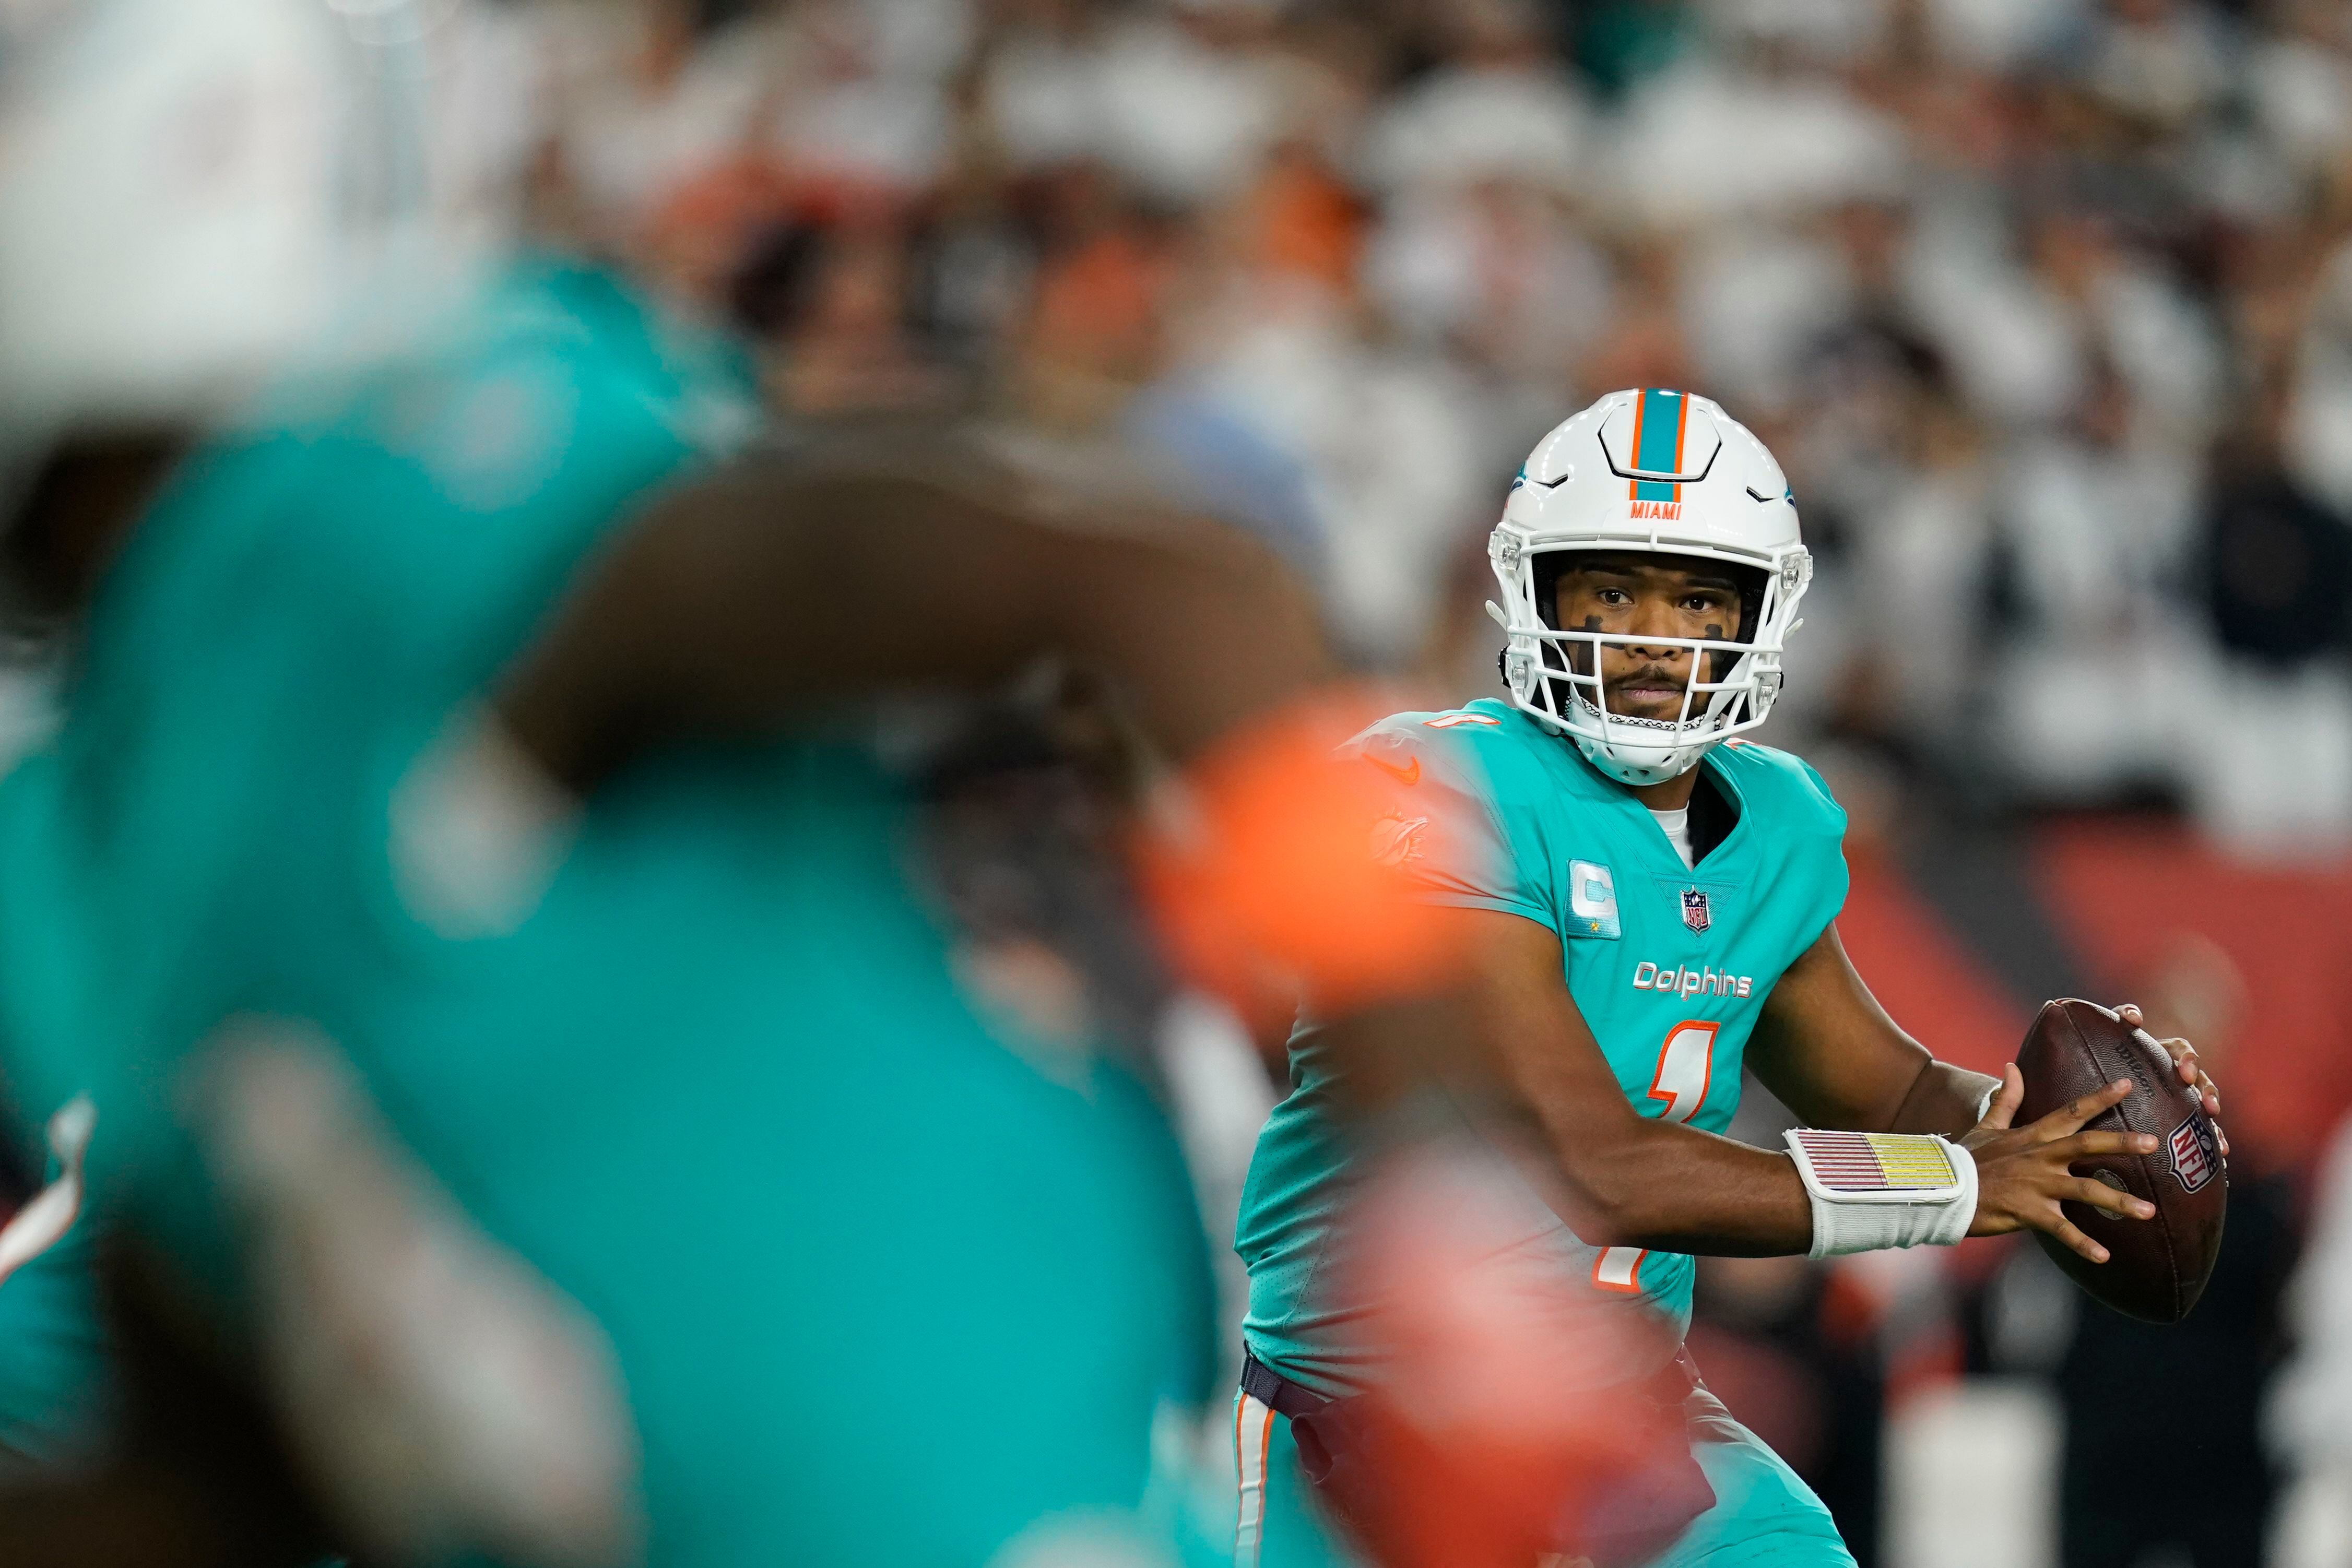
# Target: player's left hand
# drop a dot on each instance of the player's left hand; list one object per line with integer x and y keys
{"x": 2192, "y": 1070}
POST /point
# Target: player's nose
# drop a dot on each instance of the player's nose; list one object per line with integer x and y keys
{"x": 1654, "y": 616}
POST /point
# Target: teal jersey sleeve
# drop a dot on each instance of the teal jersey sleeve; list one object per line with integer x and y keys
{"x": 1669, "y": 965}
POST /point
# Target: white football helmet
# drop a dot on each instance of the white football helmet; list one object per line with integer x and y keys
{"x": 1658, "y": 472}
{"x": 191, "y": 191}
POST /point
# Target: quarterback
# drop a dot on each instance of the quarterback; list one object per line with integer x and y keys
{"x": 1650, "y": 897}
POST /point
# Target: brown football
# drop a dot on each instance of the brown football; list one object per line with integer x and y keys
{"x": 2156, "y": 1267}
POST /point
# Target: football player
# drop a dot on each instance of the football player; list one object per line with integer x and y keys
{"x": 1650, "y": 899}
{"x": 520, "y": 1053}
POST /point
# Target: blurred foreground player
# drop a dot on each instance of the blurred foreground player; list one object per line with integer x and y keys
{"x": 1648, "y": 899}
{"x": 519, "y": 1052}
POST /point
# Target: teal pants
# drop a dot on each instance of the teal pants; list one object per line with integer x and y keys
{"x": 1762, "y": 1515}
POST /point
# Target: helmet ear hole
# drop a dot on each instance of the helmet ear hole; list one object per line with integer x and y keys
{"x": 1543, "y": 573}
{"x": 1751, "y": 580}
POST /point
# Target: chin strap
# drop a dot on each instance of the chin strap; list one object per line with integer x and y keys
{"x": 1688, "y": 742}
{"x": 1599, "y": 753}
{"x": 1874, "y": 1190}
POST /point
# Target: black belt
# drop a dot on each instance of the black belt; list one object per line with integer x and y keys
{"x": 1276, "y": 1392}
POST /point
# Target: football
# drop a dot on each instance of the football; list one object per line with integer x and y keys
{"x": 2156, "y": 1267}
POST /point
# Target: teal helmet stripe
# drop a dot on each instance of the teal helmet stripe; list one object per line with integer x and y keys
{"x": 1658, "y": 425}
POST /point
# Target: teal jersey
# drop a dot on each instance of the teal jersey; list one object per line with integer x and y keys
{"x": 58, "y": 1397}
{"x": 868, "y": 1283}
{"x": 59, "y": 1400}
{"x": 1668, "y": 964}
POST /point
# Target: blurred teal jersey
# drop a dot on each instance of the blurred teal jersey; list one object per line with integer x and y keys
{"x": 58, "y": 1393}
{"x": 1668, "y": 964}
{"x": 674, "y": 1091}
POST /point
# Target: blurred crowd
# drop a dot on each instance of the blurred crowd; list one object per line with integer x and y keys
{"x": 2046, "y": 304}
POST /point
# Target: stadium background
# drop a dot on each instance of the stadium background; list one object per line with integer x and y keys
{"x": 2046, "y": 307}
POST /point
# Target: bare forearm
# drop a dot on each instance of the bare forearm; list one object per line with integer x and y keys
{"x": 1681, "y": 1190}
{"x": 740, "y": 602}
{"x": 1945, "y": 1100}
{"x": 1619, "y": 1180}
{"x": 1677, "y": 1189}
{"x": 1834, "y": 1056}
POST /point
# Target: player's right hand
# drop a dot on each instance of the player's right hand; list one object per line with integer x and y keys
{"x": 2023, "y": 1173}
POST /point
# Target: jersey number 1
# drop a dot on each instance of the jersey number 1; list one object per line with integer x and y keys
{"x": 1685, "y": 1069}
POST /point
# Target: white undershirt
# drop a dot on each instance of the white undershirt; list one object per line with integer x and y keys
{"x": 1677, "y": 828}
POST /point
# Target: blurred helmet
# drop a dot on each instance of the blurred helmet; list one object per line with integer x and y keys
{"x": 187, "y": 188}
{"x": 1661, "y": 473}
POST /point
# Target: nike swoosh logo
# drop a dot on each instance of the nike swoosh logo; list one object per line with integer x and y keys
{"x": 1410, "y": 774}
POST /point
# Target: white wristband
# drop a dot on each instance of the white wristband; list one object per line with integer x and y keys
{"x": 1872, "y": 1190}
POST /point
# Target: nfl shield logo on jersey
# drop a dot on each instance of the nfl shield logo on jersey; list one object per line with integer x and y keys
{"x": 1695, "y": 915}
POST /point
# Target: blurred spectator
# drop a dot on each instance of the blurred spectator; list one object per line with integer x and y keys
{"x": 2157, "y": 63}
{"x": 649, "y": 100}
{"x": 836, "y": 307}
{"x": 2278, "y": 562}
{"x": 1924, "y": 557}
{"x": 2300, "y": 81}
{"x": 2276, "y": 569}
{"x": 859, "y": 103}
{"x": 1187, "y": 96}
{"x": 1619, "y": 43}
{"x": 2313, "y": 442}
{"x": 1498, "y": 106}
{"x": 2096, "y": 526}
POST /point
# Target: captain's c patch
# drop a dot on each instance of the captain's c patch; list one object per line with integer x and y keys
{"x": 1591, "y": 901}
